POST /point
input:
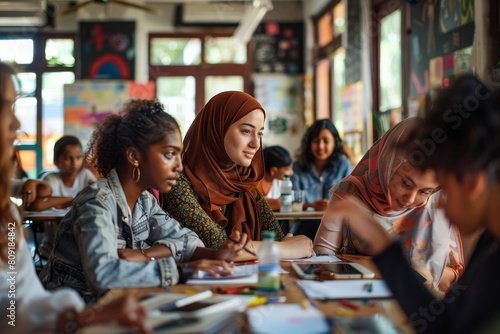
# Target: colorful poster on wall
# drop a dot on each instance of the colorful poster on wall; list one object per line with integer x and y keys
{"x": 454, "y": 14}
{"x": 438, "y": 29}
{"x": 352, "y": 114}
{"x": 278, "y": 48}
{"x": 108, "y": 49}
{"x": 86, "y": 102}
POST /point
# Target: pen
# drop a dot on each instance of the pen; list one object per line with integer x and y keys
{"x": 244, "y": 247}
{"x": 349, "y": 304}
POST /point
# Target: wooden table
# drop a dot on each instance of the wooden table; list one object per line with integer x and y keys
{"x": 287, "y": 219}
{"x": 299, "y": 215}
{"x": 294, "y": 294}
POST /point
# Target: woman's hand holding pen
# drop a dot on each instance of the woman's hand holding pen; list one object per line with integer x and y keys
{"x": 232, "y": 247}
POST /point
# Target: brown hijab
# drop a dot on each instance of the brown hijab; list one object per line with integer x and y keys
{"x": 216, "y": 179}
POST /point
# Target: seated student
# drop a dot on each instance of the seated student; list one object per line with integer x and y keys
{"x": 321, "y": 163}
{"x": 461, "y": 134}
{"x": 26, "y": 306}
{"x": 72, "y": 176}
{"x": 404, "y": 201}
{"x": 223, "y": 165}
{"x": 278, "y": 163}
{"x": 116, "y": 235}
{"x": 66, "y": 183}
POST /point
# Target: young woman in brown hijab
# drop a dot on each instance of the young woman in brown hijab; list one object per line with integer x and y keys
{"x": 223, "y": 164}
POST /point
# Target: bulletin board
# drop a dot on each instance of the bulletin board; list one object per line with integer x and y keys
{"x": 441, "y": 40}
{"x": 86, "y": 102}
{"x": 108, "y": 49}
{"x": 278, "y": 48}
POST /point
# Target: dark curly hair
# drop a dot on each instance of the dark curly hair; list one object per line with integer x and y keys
{"x": 305, "y": 156}
{"x": 460, "y": 133}
{"x": 142, "y": 123}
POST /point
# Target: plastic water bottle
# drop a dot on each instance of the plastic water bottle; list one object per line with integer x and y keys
{"x": 269, "y": 265}
{"x": 286, "y": 195}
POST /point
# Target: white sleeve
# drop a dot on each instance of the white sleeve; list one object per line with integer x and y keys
{"x": 25, "y": 305}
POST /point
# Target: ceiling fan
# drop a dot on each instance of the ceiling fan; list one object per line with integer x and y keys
{"x": 77, "y": 5}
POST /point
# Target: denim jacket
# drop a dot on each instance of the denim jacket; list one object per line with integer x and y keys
{"x": 316, "y": 187}
{"x": 85, "y": 253}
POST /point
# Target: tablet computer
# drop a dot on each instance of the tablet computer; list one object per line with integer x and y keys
{"x": 341, "y": 270}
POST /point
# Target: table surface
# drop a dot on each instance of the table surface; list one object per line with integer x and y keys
{"x": 45, "y": 215}
{"x": 294, "y": 294}
{"x": 299, "y": 215}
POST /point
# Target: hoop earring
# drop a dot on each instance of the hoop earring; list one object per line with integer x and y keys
{"x": 136, "y": 172}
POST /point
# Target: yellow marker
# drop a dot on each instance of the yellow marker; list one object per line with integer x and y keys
{"x": 257, "y": 301}
{"x": 343, "y": 312}
{"x": 304, "y": 303}
{"x": 190, "y": 292}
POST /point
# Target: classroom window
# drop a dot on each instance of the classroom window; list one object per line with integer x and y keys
{"x": 60, "y": 52}
{"x": 17, "y": 51}
{"x": 214, "y": 84}
{"x": 223, "y": 50}
{"x": 53, "y": 111}
{"x": 40, "y": 105}
{"x": 185, "y": 86}
{"x": 390, "y": 62}
{"x": 175, "y": 51}
{"x": 26, "y": 108}
{"x": 177, "y": 96}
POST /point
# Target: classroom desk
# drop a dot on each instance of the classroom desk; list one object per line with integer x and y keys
{"x": 287, "y": 219}
{"x": 299, "y": 215}
{"x": 35, "y": 221}
{"x": 294, "y": 294}
{"x": 53, "y": 215}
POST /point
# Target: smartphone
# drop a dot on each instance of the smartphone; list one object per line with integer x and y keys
{"x": 332, "y": 270}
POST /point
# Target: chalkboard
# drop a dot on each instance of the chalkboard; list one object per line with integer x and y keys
{"x": 278, "y": 48}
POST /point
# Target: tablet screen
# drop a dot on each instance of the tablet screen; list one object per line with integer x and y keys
{"x": 337, "y": 268}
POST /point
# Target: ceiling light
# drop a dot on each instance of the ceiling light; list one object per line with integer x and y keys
{"x": 251, "y": 19}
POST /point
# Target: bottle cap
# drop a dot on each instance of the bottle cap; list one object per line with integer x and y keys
{"x": 268, "y": 235}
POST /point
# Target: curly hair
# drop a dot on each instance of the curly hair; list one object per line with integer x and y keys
{"x": 6, "y": 170}
{"x": 460, "y": 133}
{"x": 142, "y": 123}
{"x": 305, "y": 156}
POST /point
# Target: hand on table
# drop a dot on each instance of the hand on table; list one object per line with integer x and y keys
{"x": 320, "y": 205}
{"x": 33, "y": 190}
{"x": 361, "y": 222}
{"x": 295, "y": 247}
{"x": 212, "y": 267}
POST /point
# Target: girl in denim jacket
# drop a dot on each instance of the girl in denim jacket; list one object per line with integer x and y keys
{"x": 116, "y": 235}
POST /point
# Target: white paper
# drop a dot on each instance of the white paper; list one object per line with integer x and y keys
{"x": 286, "y": 318}
{"x": 344, "y": 289}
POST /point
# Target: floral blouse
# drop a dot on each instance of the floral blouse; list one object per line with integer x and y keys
{"x": 182, "y": 203}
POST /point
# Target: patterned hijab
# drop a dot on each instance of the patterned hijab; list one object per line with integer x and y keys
{"x": 431, "y": 242}
{"x": 216, "y": 179}
{"x": 370, "y": 178}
